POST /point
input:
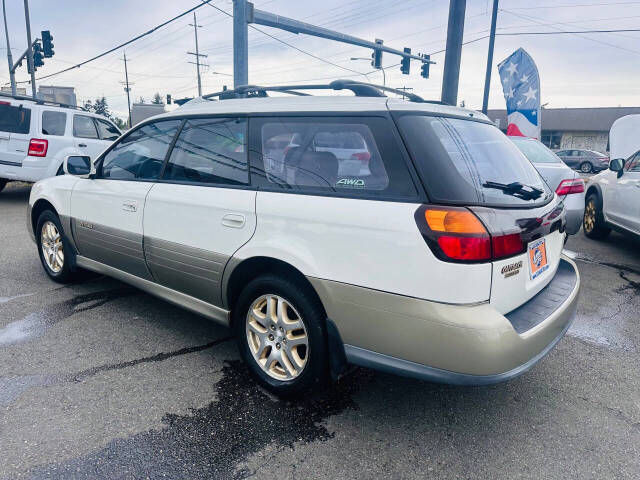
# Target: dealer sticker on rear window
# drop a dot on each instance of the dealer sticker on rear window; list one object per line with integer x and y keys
{"x": 537, "y": 258}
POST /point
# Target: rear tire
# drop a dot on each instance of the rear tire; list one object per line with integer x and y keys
{"x": 53, "y": 248}
{"x": 593, "y": 222}
{"x": 586, "y": 167}
{"x": 285, "y": 350}
{"x": 3, "y": 183}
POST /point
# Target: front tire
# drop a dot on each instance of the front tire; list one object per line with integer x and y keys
{"x": 280, "y": 329}
{"x": 53, "y": 248}
{"x": 593, "y": 222}
{"x": 586, "y": 167}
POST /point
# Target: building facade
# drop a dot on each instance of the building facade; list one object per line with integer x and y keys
{"x": 564, "y": 128}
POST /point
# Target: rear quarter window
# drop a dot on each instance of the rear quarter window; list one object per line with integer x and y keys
{"x": 345, "y": 156}
{"x": 14, "y": 119}
{"x": 458, "y": 159}
{"x": 53, "y": 123}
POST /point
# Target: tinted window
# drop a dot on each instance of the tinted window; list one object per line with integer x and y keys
{"x": 562, "y": 153}
{"x": 84, "y": 127}
{"x": 354, "y": 156}
{"x": 54, "y": 123}
{"x": 633, "y": 165}
{"x": 458, "y": 157}
{"x": 108, "y": 130}
{"x": 14, "y": 119}
{"x": 535, "y": 151}
{"x": 210, "y": 151}
{"x": 140, "y": 154}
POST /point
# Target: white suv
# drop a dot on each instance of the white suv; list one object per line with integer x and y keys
{"x": 441, "y": 260}
{"x": 36, "y": 136}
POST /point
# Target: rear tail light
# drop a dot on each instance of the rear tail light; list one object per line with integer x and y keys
{"x": 455, "y": 234}
{"x": 574, "y": 185}
{"x": 5, "y": 103}
{"x": 38, "y": 147}
{"x": 362, "y": 156}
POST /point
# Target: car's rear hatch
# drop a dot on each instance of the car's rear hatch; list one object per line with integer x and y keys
{"x": 15, "y": 123}
{"x": 470, "y": 167}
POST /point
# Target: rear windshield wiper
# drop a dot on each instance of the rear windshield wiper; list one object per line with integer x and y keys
{"x": 517, "y": 189}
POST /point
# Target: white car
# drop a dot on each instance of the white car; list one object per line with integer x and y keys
{"x": 560, "y": 178}
{"x": 36, "y": 137}
{"x": 442, "y": 261}
{"x": 613, "y": 199}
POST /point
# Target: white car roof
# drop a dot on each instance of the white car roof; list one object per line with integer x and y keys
{"x": 336, "y": 103}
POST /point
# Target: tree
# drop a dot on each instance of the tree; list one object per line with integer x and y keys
{"x": 121, "y": 124}
{"x": 101, "y": 108}
{"x": 88, "y": 106}
{"x": 157, "y": 99}
{"x": 141, "y": 100}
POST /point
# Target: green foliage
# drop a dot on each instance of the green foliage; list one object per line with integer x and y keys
{"x": 157, "y": 99}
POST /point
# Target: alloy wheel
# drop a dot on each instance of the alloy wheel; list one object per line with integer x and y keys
{"x": 586, "y": 167}
{"x": 277, "y": 337}
{"x": 590, "y": 216}
{"x": 52, "y": 248}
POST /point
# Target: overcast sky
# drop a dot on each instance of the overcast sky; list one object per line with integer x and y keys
{"x": 576, "y": 70}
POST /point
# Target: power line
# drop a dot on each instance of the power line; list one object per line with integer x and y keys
{"x": 574, "y": 32}
{"x": 78, "y": 65}
{"x": 574, "y": 5}
{"x": 286, "y": 43}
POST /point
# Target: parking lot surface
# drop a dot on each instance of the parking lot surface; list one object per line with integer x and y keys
{"x": 99, "y": 380}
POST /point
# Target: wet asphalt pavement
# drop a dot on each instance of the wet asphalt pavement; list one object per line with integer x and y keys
{"x": 99, "y": 380}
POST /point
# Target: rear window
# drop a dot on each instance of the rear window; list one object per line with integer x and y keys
{"x": 53, "y": 123}
{"x": 351, "y": 156}
{"x": 535, "y": 151}
{"x": 458, "y": 160}
{"x": 14, "y": 119}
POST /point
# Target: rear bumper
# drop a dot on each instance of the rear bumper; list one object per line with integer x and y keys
{"x": 467, "y": 345}
{"x": 574, "y": 206}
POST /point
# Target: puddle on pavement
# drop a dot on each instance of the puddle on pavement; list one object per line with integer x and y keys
{"x": 213, "y": 441}
{"x": 34, "y": 324}
{"x": 8, "y": 299}
{"x": 608, "y": 325}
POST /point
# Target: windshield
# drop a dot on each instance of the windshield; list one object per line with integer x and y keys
{"x": 458, "y": 160}
{"x": 535, "y": 151}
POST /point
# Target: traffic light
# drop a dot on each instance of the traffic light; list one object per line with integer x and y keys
{"x": 168, "y": 99}
{"x": 376, "y": 56}
{"x": 37, "y": 56}
{"x": 424, "y": 73}
{"x": 47, "y": 44}
{"x": 405, "y": 63}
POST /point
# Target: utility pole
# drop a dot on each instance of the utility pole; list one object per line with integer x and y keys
{"x": 12, "y": 75}
{"x": 492, "y": 41}
{"x": 455, "y": 31}
{"x": 197, "y": 53}
{"x": 127, "y": 88}
{"x": 30, "y": 49}
{"x": 240, "y": 44}
{"x": 404, "y": 89}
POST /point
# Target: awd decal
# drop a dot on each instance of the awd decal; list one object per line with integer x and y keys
{"x": 350, "y": 182}
{"x": 511, "y": 269}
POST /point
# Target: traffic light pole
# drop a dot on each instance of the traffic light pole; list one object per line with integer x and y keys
{"x": 12, "y": 76}
{"x": 455, "y": 30}
{"x": 30, "y": 49}
{"x": 492, "y": 41}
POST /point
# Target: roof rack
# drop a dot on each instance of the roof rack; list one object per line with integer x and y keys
{"x": 39, "y": 101}
{"x": 359, "y": 89}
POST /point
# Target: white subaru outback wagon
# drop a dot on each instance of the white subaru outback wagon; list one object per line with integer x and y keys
{"x": 439, "y": 258}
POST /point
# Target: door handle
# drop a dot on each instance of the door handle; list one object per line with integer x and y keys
{"x": 130, "y": 206}
{"x": 233, "y": 220}
{"x": 82, "y": 144}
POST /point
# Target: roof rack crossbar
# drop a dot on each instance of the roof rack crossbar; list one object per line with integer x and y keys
{"x": 360, "y": 89}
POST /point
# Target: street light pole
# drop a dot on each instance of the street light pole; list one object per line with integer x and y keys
{"x": 12, "y": 76}
{"x": 29, "y": 49}
{"x": 455, "y": 31}
{"x": 492, "y": 40}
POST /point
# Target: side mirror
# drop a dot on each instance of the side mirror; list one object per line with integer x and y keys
{"x": 616, "y": 165}
{"x": 78, "y": 165}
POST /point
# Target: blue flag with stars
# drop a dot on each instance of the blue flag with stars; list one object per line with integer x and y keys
{"x": 521, "y": 87}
